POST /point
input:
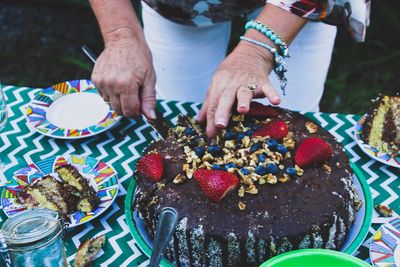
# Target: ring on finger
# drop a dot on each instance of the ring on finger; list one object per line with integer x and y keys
{"x": 252, "y": 87}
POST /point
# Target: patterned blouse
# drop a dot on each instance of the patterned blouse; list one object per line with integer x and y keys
{"x": 352, "y": 13}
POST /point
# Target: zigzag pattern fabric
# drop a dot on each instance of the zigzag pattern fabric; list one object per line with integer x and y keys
{"x": 121, "y": 146}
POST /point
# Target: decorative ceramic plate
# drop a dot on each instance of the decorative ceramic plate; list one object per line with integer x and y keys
{"x": 100, "y": 175}
{"x": 354, "y": 239}
{"x": 371, "y": 151}
{"x": 70, "y": 110}
{"x": 385, "y": 246}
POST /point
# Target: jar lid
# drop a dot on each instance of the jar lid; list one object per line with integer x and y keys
{"x": 30, "y": 226}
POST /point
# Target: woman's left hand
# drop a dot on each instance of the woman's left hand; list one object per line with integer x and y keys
{"x": 248, "y": 64}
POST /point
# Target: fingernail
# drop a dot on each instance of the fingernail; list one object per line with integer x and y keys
{"x": 152, "y": 114}
{"x": 220, "y": 122}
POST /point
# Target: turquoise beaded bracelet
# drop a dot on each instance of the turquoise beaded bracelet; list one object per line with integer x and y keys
{"x": 268, "y": 32}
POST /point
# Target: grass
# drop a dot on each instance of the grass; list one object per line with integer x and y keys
{"x": 41, "y": 50}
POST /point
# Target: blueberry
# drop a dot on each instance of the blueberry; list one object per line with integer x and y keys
{"x": 189, "y": 131}
{"x": 261, "y": 157}
{"x": 255, "y": 147}
{"x": 291, "y": 171}
{"x": 214, "y": 150}
{"x": 261, "y": 170}
{"x": 216, "y": 167}
{"x": 240, "y": 136}
{"x": 244, "y": 171}
{"x": 249, "y": 132}
{"x": 229, "y": 135}
{"x": 199, "y": 151}
{"x": 230, "y": 165}
{"x": 272, "y": 143}
{"x": 281, "y": 149}
{"x": 271, "y": 168}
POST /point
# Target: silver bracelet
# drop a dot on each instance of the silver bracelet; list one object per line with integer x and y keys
{"x": 279, "y": 63}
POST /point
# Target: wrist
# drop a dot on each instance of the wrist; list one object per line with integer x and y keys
{"x": 256, "y": 50}
{"x": 123, "y": 36}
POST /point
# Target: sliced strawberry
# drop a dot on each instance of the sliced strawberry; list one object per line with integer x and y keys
{"x": 276, "y": 130}
{"x": 312, "y": 150}
{"x": 215, "y": 184}
{"x": 151, "y": 166}
{"x": 258, "y": 109}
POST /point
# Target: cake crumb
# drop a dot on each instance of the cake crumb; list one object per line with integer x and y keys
{"x": 241, "y": 205}
{"x": 311, "y": 127}
{"x": 384, "y": 211}
{"x": 160, "y": 186}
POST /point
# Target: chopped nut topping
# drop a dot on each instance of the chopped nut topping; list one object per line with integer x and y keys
{"x": 337, "y": 164}
{"x": 185, "y": 167}
{"x": 384, "y": 211}
{"x": 262, "y": 180}
{"x": 207, "y": 156}
{"x": 241, "y": 205}
{"x": 252, "y": 189}
{"x": 246, "y": 141}
{"x": 230, "y": 144}
{"x": 358, "y": 204}
{"x": 272, "y": 179}
{"x": 299, "y": 171}
{"x": 311, "y": 127}
{"x": 160, "y": 186}
{"x": 281, "y": 166}
{"x": 180, "y": 178}
{"x": 241, "y": 191}
{"x": 238, "y": 118}
{"x": 327, "y": 168}
{"x": 180, "y": 129}
{"x": 288, "y": 142}
{"x": 285, "y": 178}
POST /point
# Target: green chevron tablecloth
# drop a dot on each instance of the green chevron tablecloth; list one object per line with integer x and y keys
{"x": 121, "y": 147}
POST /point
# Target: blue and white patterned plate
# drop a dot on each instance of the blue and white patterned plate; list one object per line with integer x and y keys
{"x": 371, "y": 151}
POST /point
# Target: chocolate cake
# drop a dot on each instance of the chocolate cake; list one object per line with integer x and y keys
{"x": 67, "y": 197}
{"x": 382, "y": 125}
{"x": 277, "y": 206}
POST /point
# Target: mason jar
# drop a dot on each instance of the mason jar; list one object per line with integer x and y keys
{"x": 34, "y": 238}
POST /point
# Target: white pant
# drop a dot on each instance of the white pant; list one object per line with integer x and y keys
{"x": 185, "y": 59}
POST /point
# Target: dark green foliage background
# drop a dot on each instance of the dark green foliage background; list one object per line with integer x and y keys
{"x": 40, "y": 45}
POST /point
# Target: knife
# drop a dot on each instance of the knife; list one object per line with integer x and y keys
{"x": 159, "y": 125}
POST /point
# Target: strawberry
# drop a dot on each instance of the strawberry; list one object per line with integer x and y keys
{"x": 258, "y": 109}
{"x": 151, "y": 166}
{"x": 215, "y": 184}
{"x": 276, "y": 130}
{"x": 311, "y": 151}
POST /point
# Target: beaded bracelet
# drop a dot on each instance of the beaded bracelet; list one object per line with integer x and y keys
{"x": 279, "y": 63}
{"x": 268, "y": 32}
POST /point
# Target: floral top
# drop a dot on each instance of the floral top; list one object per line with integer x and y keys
{"x": 352, "y": 13}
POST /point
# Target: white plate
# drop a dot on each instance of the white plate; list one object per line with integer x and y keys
{"x": 70, "y": 110}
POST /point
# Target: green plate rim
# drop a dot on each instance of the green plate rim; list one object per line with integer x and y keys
{"x": 313, "y": 251}
{"x": 132, "y": 225}
{"x": 350, "y": 250}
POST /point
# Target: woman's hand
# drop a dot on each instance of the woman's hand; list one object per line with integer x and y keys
{"x": 247, "y": 64}
{"x": 125, "y": 76}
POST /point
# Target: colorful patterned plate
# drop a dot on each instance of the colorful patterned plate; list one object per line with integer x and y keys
{"x": 100, "y": 175}
{"x": 70, "y": 110}
{"x": 385, "y": 246}
{"x": 354, "y": 239}
{"x": 371, "y": 151}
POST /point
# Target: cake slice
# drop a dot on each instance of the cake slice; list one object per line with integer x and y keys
{"x": 48, "y": 193}
{"x": 382, "y": 125}
{"x": 88, "y": 199}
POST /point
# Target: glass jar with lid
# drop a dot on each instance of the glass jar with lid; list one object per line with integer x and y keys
{"x": 34, "y": 238}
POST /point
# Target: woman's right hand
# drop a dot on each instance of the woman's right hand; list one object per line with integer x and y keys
{"x": 125, "y": 76}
